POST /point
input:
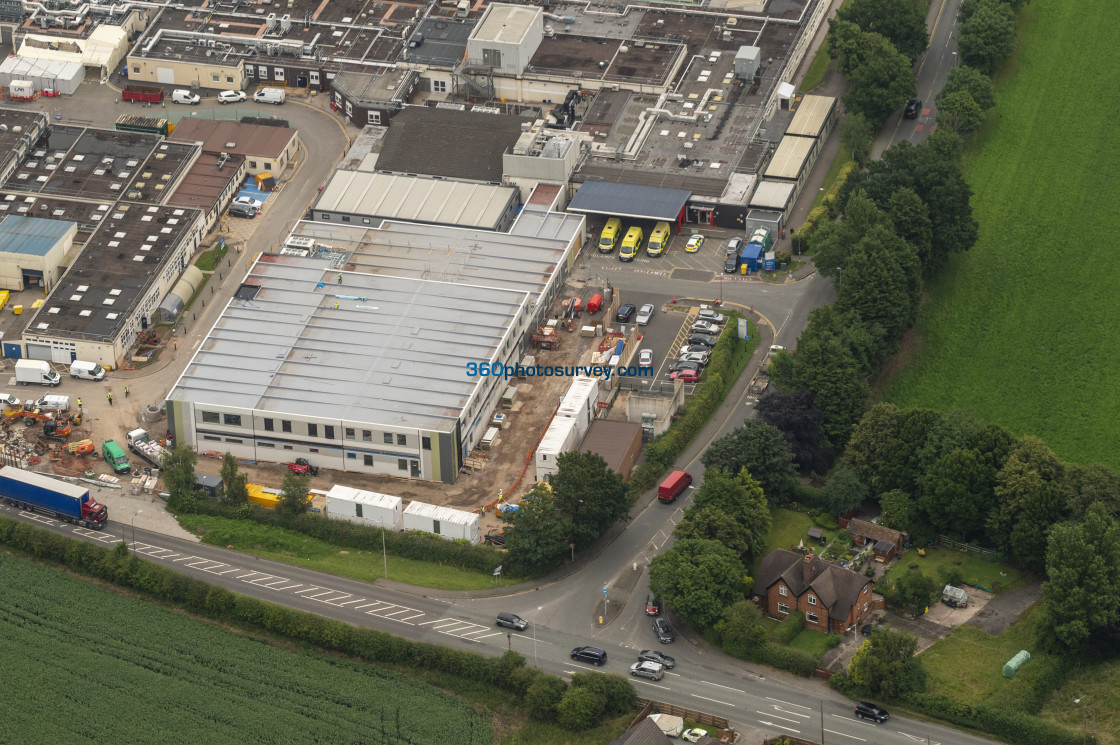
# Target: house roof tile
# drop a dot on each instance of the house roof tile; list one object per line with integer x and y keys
{"x": 836, "y": 587}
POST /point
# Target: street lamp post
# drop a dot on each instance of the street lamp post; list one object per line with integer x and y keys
{"x": 134, "y": 530}
{"x": 384, "y": 553}
{"x": 535, "y": 634}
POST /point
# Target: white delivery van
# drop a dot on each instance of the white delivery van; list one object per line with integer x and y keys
{"x": 53, "y": 403}
{"x": 38, "y": 372}
{"x": 269, "y": 95}
{"x": 87, "y": 370}
{"x": 182, "y": 95}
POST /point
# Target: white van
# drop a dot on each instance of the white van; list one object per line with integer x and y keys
{"x": 269, "y": 95}
{"x": 87, "y": 370}
{"x": 182, "y": 95}
{"x": 53, "y": 403}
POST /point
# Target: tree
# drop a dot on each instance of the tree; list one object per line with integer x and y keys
{"x": 884, "y": 446}
{"x": 909, "y": 217}
{"x": 233, "y": 481}
{"x": 1029, "y": 495}
{"x": 833, "y": 241}
{"x": 1082, "y": 593}
{"x": 956, "y": 494}
{"x": 897, "y": 510}
{"x": 617, "y": 693}
{"x": 969, "y": 80}
{"x": 580, "y": 708}
{"x": 698, "y": 579}
{"x": 857, "y": 135}
{"x": 986, "y": 34}
{"x": 901, "y": 23}
{"x": 294, "y": 495}
{"x": 537, "y": 535}
{"x": 731, "y": 510}
{"x": 1094, "y": 483}
{"x": 882, "y": 81}
{"x": 882, "y": 282}
{"x": 543, "y": 696}
{"x": 827, "y": 368}
{"x": 913, "y": 590}
{"x": 178, "y": 477}
{"x": 885, "y": 664}
{"x": 740, "y": 629}
{"x": 843, "y": 492}
{"x": 589, "y": 493}
{"x": 763, "y": 451}
{"x": 793, "y": 413}
{"x": 960, "y": 113}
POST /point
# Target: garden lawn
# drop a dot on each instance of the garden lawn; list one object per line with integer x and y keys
{"x": 976, "y": 569}
{"x": 787, "y": 529}
{"x": 297, "y": 549}
{"x": 811, "y": 642}
{"x": 1021, "y": 330}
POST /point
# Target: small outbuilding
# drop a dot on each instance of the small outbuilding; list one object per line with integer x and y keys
{"x": 954, "y": 597}
{"x": 445, "y": 522}
{"x": 618, "y": 443}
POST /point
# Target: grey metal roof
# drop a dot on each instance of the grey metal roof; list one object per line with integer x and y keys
{"x": 444, "y": 142}
{"x": 629, "y": 200}
{"x": 811, "y": 115}
{"x": 790, "y": 157}
{"x": 34, "y": 236}
{"x": 423, "y": 199}
{"x": 464, "y": 256}
{"x": 393, "y": 352}
{"x": 445, "y": 42}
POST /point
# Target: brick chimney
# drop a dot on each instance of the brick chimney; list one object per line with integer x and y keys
{"x": 807, "y": 567}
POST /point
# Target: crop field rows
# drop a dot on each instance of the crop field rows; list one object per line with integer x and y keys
{"x": 84, "y": 664}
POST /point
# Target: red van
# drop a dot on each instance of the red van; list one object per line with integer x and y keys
{"x": 673, "y": 485}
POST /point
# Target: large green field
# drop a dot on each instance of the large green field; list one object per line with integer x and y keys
{"x": 1021, "y": 331}
{"x": 85, "y": 665}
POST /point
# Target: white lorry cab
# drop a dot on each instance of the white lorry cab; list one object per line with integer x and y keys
{"x": 86, "y": 370}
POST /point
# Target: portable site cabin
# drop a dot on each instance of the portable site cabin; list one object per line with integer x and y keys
{"x": 752, "y": 257}
{"x": 560, "y": 437}
{"x": 443, "y": 521}
{"x": 365, "y": 507}
{"x": 580, "y": 403}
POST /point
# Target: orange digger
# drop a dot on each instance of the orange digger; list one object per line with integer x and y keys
{"x": 59, "y": 430}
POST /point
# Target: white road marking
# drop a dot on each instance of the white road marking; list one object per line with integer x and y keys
{"x": 717, "y": 685}
{"x": 775, "y": 716}
{"x": 787, "y": 703}
{"x": 845, "y": 734}
{"x": 778, "y": 726}
{"x": 716, "y": 701}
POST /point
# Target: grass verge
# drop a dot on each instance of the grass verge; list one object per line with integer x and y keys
{"x": 296, "y": 549}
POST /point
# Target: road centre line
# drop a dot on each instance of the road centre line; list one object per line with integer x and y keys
{"x": 715, "y": 701}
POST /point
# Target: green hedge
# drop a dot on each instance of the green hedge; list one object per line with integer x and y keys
{"x": 409, "y": 544}
{"x": 786, "y": 658}
{"x": 729, "y": 356}
{"x": 792, "y": 625}
{"x": 507, "y": 673}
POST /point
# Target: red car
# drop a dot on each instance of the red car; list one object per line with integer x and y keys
{"x": 688, "y": 376}
{"x": 303, "y": 468}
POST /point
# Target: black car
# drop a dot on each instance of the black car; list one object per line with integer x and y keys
{"x": 865, "y": 710}
{"x": 625, "y": 313}
{"x": 512, "y": 621}
{"x": 664, "y": 630}
{"x": 731, "y": 263}
{"x": 652, "y": 655}
{"x": 704, "y": 339}
{"x": 913, "y": 108}
{"x": 594, "y": 655}
{"x": 679, "y": 365}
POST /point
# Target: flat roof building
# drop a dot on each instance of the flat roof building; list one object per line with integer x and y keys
{"x": 32, "y": 250}
{"x": 368, "y": 374}
{"x": 364, "y": 197}
{"x": 265, "y": 149}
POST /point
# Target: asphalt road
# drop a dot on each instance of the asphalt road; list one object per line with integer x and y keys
{"x": 932, "y": 71}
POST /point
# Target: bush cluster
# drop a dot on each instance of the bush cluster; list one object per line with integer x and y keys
{"x": 790, "y": 627}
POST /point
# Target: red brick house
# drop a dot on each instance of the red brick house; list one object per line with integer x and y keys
{"x": 887, "y": 542}
{"x": 832, "y": 598}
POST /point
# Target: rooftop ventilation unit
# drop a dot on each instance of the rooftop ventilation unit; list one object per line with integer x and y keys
{"x": 285, "y": 24}
{"x": 271, "y": 22}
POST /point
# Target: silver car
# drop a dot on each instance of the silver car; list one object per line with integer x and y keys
{"x": 645, "y": 313}
{"x": 651, "y": 670}
{"x": 705, "y": 327}
{"x": 712, "y": 316}
{"x": 701, "y": 357}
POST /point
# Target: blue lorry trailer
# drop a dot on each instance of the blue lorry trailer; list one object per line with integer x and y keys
{"x": 67, "y": 502}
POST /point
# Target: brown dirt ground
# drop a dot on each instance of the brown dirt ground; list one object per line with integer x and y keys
{"x": 909, "y": 345}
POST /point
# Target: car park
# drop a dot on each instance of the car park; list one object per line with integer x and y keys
{"x": 865, "y": 710}
{"x": 625, "y": 313}
{"x": 594, "y": 655}
{"x": 711, "y": 316}
{"x": 231, "y": 96}
{"x": 652, "y": 655}
{"x": 249, "y": 202}
{"x": 699, "y": 357}
{"x": 703, "y": 340}
{"x": 645, "y": 358}
{"x": 688, "y": 376}
{"x": 663, "y": 630}
{"x": 651, "y": 670}
{"x": 913, "y": 108}
{"x": 705, "y": 327}
{"x": 653, "y": 605}
{"x": 512, "y": 621}
{"x": 694, "y": 243}
{"x": 645, "y": 313}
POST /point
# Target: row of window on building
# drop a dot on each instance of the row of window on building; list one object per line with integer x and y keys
{"x": 403, "y": 464}
{"x": 350, "y": 433}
